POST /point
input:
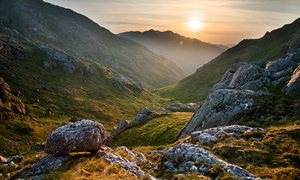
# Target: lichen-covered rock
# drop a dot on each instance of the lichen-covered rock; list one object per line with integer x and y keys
{"x": 81, "y": 136}
{"x": 186, "y": 157}
{"x": 213, "y": 134}
{"x": 48, "y": 163}
{"x": 250, "y": 77}
{"x": 129, "y": 166}
{"x": 220, "y": 107}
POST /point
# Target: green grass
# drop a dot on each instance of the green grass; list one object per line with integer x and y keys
{"x": 159, "y": 131}
{"x": 196, "y": 86}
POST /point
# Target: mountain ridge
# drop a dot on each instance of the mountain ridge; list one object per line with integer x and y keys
{"x": 187, "y": 53}
{"x": 64, "y": 29}
{"x": 269, "y": 47}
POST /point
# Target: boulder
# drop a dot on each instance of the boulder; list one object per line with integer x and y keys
{"x": 214, "y": 134}
{"x": 186, "y": 157}
{"x": 122, "y": 125}
{"x": 293, "y": 86}
{"x": 220, "y": 107}
{"x": 81, "y": 136}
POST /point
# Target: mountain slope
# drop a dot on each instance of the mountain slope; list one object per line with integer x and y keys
{"x": 77, "y": 35}
{"x": 187, "y": 53}
{"x": 197, "y": 86}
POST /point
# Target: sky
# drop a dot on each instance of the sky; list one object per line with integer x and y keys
{"x": 215, "y": 21}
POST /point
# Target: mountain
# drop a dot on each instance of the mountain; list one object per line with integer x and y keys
{"x": 186, "y": 52}
{"x": 63, "y": 29}
{"x": 269, "y": 47}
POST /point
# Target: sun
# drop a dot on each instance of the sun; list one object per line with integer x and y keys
{"x": 195, "y": 25}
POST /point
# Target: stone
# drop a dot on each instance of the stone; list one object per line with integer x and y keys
{"x": 140, "y": 118}
{"x": 293, "y": 86}
{"x": 122, "y": 125}
{"x": 214, "y": 134}
{"x": 249, "y": 77}
{"x": 219, "y": 109}
{"x": 183, "y": 156}
{"x": 279, "y": 65}
{"x": 47, "y": 164}
{"x": 132, "y": 167}
{"x": 81, "y": 136}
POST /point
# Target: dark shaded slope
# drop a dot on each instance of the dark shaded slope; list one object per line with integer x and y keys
{"x": 77, "y": 35}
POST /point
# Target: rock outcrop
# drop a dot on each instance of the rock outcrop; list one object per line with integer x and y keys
{"x": 143, "y": 116}
{"x": 293, "y": 86}
{"x": 214, "y": 134}
{"x": 10, "y": 104}
{"x": 241, "y": 84}
{"x": 187, "y": 158}
{"x": 130, "y": 166}
{"x": 47, "y": 164}
{"x": 81, "y": 136}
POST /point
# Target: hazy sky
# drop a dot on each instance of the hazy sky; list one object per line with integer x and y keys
{"x": 215, "y": 21}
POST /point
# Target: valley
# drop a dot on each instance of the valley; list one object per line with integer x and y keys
{"x": 80, "y": 102}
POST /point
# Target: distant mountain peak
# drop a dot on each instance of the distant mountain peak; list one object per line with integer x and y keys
{"x": 187, "y": 53}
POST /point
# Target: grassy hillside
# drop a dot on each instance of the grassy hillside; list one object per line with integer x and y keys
{"x": 197, "y": 86}
{"x": 54, "y": 95}
{"x": 187, "y": 53}
{"x": 45, "y": 24}
{"x": 159, "y": 131}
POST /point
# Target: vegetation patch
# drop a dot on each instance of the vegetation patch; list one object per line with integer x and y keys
{"x": 159, "y": 131}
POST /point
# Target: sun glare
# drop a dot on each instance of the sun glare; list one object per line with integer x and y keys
{"x": 195, "y": 25}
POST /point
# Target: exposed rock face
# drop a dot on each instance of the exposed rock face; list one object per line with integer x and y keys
{"x": 48, "y": 163}
{"x": 241, "y": 84}
{"x": 186, "y": 157}
{"x": 219, "y": 109}
{"x": 293, "y": 86}
{"x": 180, "y": 107}
{"x": 69, "y": 63}
{"x": 81, "y": 136}
{"x": 213, "y": 134}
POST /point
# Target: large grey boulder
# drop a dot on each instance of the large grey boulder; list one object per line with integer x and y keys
{"x": 293, "y": 86}
{"x": 220, "y": 107}
{"x": 186, "y": 157}
{"x": 81, "y": 136}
